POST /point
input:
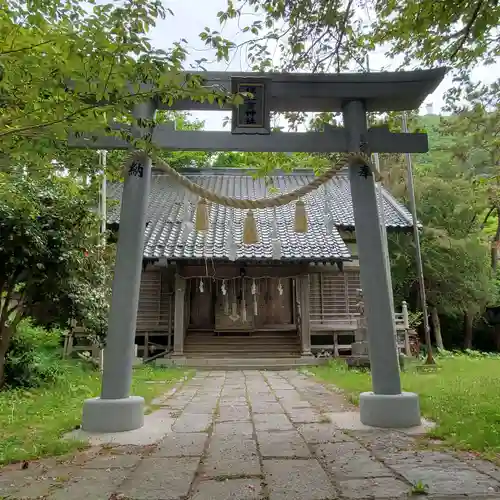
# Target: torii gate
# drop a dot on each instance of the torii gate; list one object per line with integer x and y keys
{"x": 351, "y": 94}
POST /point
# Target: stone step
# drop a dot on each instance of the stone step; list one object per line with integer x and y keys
{"x": 241, "y": 354}
{"x": 241, "y": 363}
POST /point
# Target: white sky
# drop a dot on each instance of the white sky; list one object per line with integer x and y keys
{"x": 191, "y": 17}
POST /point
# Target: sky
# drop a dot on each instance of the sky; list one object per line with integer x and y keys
{"x": 192, "y": 16}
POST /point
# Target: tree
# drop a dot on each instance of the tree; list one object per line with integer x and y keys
{"x": 454, "y": 251}
{"x": 57, "y": 57}
{"x": 327, "y": 35}
{"x": 50, "y": 254}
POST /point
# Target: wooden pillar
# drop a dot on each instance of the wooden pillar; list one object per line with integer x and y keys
{"x": 179, "y": 315}
{"x": 305, "y": 324}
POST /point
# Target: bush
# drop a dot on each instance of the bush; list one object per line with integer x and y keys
{"x": 33, "y": 358}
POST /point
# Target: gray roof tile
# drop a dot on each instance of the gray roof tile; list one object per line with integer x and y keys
{"x": 168, "y": 201}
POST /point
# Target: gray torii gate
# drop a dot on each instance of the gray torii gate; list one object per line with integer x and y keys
{"x": 351, "y": 94}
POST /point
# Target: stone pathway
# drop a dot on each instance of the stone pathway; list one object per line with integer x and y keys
{"x": 256, "y": 435}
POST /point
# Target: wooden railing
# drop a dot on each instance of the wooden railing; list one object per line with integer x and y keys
{"x": 342, "y": 325}
{"x": 349, "y": 322}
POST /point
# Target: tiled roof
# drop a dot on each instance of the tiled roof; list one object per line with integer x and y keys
{"x": 168, "y": 202}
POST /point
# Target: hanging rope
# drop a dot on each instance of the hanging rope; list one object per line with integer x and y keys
{"x": 350, "y": 159}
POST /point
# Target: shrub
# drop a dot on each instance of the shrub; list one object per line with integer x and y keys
{"x": 33, "y": 357}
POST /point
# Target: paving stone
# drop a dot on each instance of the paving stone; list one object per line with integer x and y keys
{"x": 160, "y": 478}
{"x": 33, "y": 484}
{"x": 12, "y": 481}
{"x": 288, "y": 394}
{"x": 271, "y": 421}
{"x": 231, "y": 429}
{"x": 385, "y": 443}
{"x": 305, "y": 415}
{"x": 233, "y": 413}
{"x": 231, "y": 457}
{"x": 322, "y": 433}
{"x": 233, "y": 401}
{"x": 266, "y": 407}
{"x": 231, "y": 489}
{"x": 192, "y": 422}
{"x": 297, "y": 480}
{"x": 380, "y": 488}
{"x": 94, "y": 484}
{"x": 444, "y": 474}
{"x": 348, "y": 460}
{"x": 190, "y": 444}
{"x": 201, "y": 408}
{"x": 294, "y": 404}
{"x": 485, "y": 467}
{"x": 261, "y": 398}
{"x": 282, "y": 444}
{"x": 113, "y": 461}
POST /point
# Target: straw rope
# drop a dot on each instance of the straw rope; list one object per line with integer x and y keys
{"x": 350, "y": 159}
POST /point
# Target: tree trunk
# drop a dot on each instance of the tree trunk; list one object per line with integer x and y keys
{"x": 494, "y": 243}
{"x": 4, "y": 347}
{"x": 468, "y": 331}
{"x": 494, "y": 265}
{"x": 436, "y": 327}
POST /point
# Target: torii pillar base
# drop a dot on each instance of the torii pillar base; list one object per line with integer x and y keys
{"x": 113, "y": 415}
{"x": 391, "y": 411}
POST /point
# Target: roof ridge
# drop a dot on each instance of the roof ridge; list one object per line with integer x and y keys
{"x": 241, "y": 171}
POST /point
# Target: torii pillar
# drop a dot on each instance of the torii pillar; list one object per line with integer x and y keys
{"x": 352, "y": 94}
{"x": 387, "y": 405}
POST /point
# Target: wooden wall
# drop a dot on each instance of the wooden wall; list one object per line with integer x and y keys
{"x": 334, "y": 292}
{"x": 331, "y": 292}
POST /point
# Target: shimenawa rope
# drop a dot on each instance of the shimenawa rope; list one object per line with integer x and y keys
{"x": 360, "y": 159}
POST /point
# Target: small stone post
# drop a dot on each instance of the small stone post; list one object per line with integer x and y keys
{"x": 116, "y": 410}
{"x": 386, "y": 406}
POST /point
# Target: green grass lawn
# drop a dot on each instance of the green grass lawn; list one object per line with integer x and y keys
{"x": 32, "y": 422}
{"x": 462, "y": 397}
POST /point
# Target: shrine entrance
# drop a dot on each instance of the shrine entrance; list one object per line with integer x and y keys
{"x": 352, "y": 95}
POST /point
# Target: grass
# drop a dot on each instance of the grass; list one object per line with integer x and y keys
{"x": 462, "y": 396}
{"x": 32, "y": 422}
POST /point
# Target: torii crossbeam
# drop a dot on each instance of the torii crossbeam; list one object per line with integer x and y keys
{"x": 351, "y": 94}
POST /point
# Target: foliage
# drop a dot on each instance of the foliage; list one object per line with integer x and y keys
{"x": 33, "y": 422}
{"x": 461, "y": 397}
{"x": 50, "y": 254}
{"x": 67, "y": 65}
{"x": 33, "y": 358}
{"x": 328, "y": 35}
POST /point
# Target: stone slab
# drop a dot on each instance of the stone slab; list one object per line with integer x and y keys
{"x": 322, "y": 433}
{"x": 305, "y": 415}
{"x": 94, "y": 484}
{"x": 233, "y": 413}
{"x": 231, "y": 457}
{"x": 444, "y": 475}
{"x": 156, "y": 425}
{"x": 271, "y": 421}
{"x": 282, "y": 444}
{"x": 34, "y": 484}
{"x": 182, "y": 444}
{"x": 349, "y": 460}
{"x": 234, "y": 401}
{"x": 113, "y": 461}
{"x": 231, "y": 489}
{"x": 379, "y": 488}
{"x": 231, "y": 429}
{"x": 160, "y": 478}
{"x": 350, "y": 420}
{"x": 297, "y": 480}
{"x": 266, "y": 407}
{"x": 193, "y": 422}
